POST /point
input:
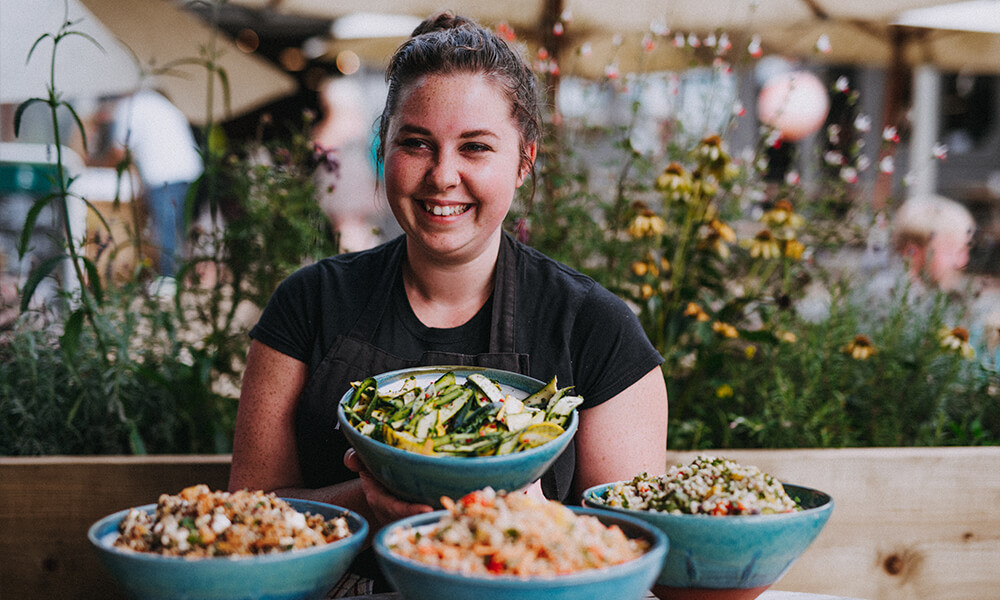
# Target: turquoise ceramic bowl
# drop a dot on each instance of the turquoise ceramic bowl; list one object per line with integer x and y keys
{"x": 627, "y": 581}
{"x": 734, "y": 557}
{"x": 424, "y": 479}
{"x": 298, "y": 575}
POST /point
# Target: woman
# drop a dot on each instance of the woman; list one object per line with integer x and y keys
{"x": 458, "y": 136}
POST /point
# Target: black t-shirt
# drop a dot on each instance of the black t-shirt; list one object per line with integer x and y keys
{"x": 567, "y": 324}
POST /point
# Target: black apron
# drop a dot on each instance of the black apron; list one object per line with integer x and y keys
{"x": 353, "y": 357}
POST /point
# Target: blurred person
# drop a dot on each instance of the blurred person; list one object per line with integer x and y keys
{"x": 933, "y": 234}
{"x": 157, "y": 138}
{"x": 346, "y": 180}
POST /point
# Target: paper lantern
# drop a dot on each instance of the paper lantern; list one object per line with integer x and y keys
{"x": 795, "y": 103}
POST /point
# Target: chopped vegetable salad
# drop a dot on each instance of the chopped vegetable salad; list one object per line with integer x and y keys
{"x": 489, "y": 533}
{"x": 200, "y": 523}
{"x": 448, "y": 417}
{"x": 706, "y": 486}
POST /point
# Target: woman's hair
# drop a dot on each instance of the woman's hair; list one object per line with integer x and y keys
{"x": 446, "y": 43}
{"x": 921, "y": 218}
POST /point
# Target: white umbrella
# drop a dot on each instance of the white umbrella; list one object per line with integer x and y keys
{"x": 83, "y": 70}
{"x": 160, "y": 32}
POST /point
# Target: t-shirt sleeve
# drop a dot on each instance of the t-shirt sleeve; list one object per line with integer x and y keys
{"x": 289, "y": 321}
{"x": 610, "y": 349}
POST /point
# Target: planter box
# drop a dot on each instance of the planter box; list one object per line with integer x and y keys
{"x": 909, "y": 523}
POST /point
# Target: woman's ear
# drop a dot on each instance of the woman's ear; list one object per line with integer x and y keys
{"x": 530, "y": 153}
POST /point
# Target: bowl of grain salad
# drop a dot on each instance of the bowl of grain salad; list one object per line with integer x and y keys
{"x": 200, "y": 544}
{"x": 495, "y": 546}
{"x": 733, "y": 529}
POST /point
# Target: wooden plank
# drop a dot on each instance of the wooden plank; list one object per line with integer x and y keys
{"x": 48, "y": 503}
{"x": 908, "y": 523}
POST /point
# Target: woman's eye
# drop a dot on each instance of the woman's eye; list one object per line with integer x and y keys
{"x": 413, "y": 143}
{"x": 476, "y": 147}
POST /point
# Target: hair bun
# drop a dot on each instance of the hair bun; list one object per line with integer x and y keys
{"x": 442, "y": 21}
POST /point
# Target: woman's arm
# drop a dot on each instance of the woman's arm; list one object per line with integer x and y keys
{"x": 623, "y": 437}
{"x": 265, "y": 455}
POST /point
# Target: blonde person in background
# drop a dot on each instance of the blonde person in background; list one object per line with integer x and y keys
{"x": 934, "y": 234}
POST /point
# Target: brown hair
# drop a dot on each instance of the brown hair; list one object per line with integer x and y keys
{"x": 446, "y": 43}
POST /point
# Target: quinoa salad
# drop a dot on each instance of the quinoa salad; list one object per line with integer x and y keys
{"x": 199, "y": 523}
{"x": 706, "y": 486}
{"x": 490, "y": 533}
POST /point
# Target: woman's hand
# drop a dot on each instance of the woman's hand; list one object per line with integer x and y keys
{"x": 384, "y": 506}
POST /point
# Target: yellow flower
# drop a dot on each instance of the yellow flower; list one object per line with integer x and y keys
{"x": 664, "y": 264}
{"x": 957, "y": 339}
{"x": 764, "y": 246}
{"x": 750, "y": 351}
{"x": 693, "y": 310}
{"x": 718, "y": 236}
{"x": 860, "y": 348}
{"x": 724, "y": 391}
{"x": 713, "y": 157}
{"x": 782, "y": 215}
{"x": 647, "y": 291}
{"x": 725, "y": 330}
{"x": 647, "y": 225}
{"x": 794, "y": 249}
{"x": 639, "y": 268}
{"x": 674, "y": 183}
{"x": 786, "y": 336}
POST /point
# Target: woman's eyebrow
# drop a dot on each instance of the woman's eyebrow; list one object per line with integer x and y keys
{"x": 474, "y": 133}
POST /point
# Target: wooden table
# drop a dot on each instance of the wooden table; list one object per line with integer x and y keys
{"x": 768, "y": 595}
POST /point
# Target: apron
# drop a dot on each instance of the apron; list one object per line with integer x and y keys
{"x": 353, "y": 357}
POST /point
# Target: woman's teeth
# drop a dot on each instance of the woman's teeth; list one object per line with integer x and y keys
{"x": 446, "y": 211}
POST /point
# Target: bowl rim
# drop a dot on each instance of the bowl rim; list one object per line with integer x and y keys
{"x": 559, "y": 442}
{"x": 661, "y": 543}
{"x": 588, "y": 495}
{"x": 356, "y": 538}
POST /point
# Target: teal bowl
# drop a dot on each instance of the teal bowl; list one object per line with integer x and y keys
{"x": 732, "y": 557}
{"x": 626, "y": 581}
{"x": 296, "y": 575}
{"x": 425, "y": 479}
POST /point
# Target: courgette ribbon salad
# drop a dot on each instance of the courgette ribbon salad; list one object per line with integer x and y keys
{"x": 472, "y": 418}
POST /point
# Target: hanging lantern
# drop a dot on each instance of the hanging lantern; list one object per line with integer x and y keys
{"x": 795, "y": 103}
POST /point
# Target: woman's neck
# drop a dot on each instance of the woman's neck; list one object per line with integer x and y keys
{"x": 447, "y": 295}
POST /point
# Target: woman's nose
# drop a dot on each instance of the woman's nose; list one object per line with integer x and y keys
{"x": 443, "y": 172}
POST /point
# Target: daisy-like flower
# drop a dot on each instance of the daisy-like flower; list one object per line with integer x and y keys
{"x": 724, "y": 391}
{"x": 849, "y": 175}
{"x": 783, "y": 217}
{"x": 754, "y": 48}
{"x": 794, "y": 249}
{"x": 940, "y": 151}
{"x": 863, "y": 123}
{"x": 674, "y": 183}
{"x": 764, "y": 246}
{"x": 712, "y": 156}
{"x": 956, "y": 339}
{"x": 586, "y": 49}
{"x": 890, "y": 134}
{"x": 833, "y": 157}
{"x": 725, "y": 330}
{"x": 860, "y": 348}
{"x": 718, "y": 236}
{"x": 693, "y": 310}
{"x": 887, "y": 164}
{"x": 647, "y": 224}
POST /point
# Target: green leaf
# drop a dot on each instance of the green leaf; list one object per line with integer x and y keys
{"x": 35, "y": 277}
{"x": 93, "y": 278}
{"x": 69, "y": 341}
{"x": 29, "y": 225}
{"x": 19, "y": 113}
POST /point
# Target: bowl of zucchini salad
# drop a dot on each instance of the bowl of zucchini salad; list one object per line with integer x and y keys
{"x": 489, "y": 545}
{"x": 203, "y": 544}
{"x": 430, "y": 432}
{"x": 733, "y": 529}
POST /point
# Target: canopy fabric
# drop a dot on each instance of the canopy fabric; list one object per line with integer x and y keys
{"x": 159, "y": 32}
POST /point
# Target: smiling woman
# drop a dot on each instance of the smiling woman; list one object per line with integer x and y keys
{"x": 458, "y": 136}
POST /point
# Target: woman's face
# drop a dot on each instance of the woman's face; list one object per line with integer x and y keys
{"x": 452, "y": 164}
